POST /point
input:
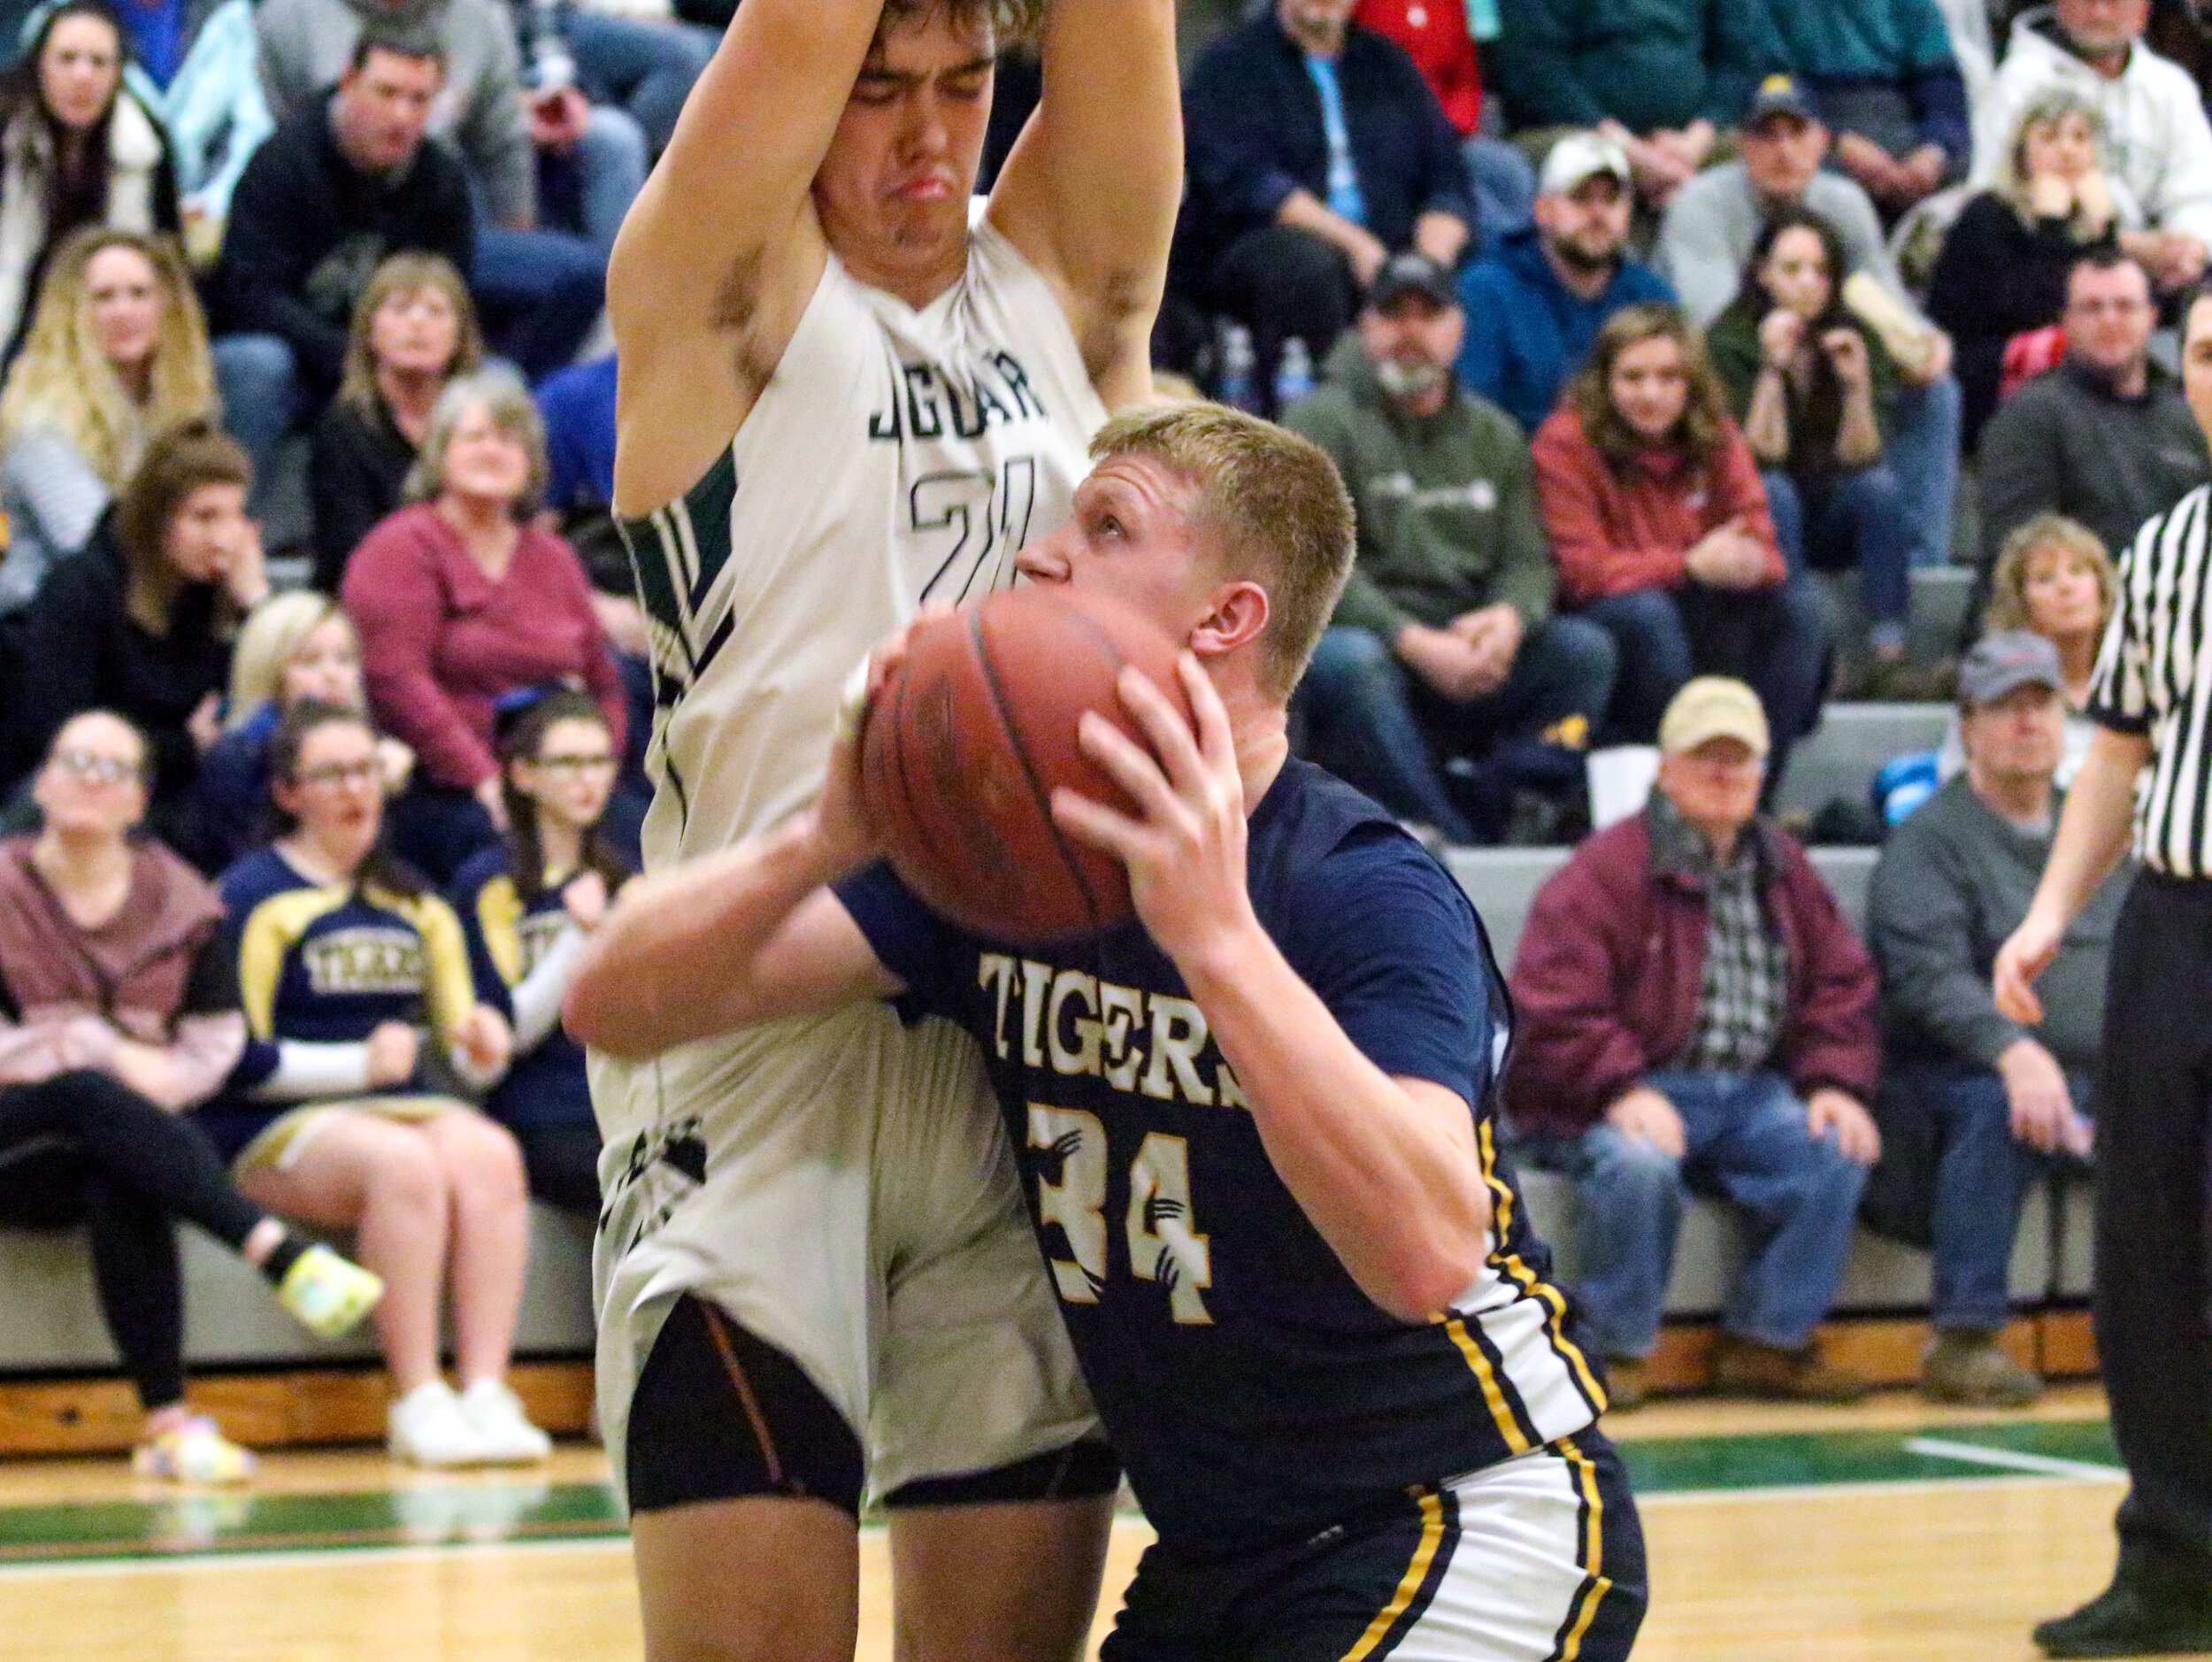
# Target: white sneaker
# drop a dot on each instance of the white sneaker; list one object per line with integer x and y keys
{"x": 428, "y": 1427}
{"x": 504, "y": 1431}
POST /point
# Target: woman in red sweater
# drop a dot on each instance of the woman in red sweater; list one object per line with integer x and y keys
{"x": 1659, "y": 526}
{"x": 460, "y": 600}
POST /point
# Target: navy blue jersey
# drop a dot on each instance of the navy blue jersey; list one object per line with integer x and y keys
{"x": 545, "y": 1086}
{"x": 1253, "y": 1391}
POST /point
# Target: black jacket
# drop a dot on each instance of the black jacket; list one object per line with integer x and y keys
{"x": 358, "y": 466}
{"x": 76, "y": 648}
{"x": 307, "y": 228}
{"x": 1253, "y": 118}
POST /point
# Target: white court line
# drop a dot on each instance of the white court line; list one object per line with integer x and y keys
{"x": 2042, "y": 1465}
{"x": 1852, "y": 1491}
{"x": 320, "y": 1557}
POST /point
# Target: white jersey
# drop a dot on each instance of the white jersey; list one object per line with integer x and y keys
{"x": 840, "y": 1184}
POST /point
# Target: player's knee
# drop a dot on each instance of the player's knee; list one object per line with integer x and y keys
{"x": 1082, "y": 1471}
{"x": 719, "y": 1414}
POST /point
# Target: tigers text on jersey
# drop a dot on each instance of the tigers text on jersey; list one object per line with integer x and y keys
{"x": 894, "y": 456}
{"x": 1253, "y": 1391}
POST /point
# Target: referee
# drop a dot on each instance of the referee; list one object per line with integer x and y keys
{"x": 2151, "y": 700}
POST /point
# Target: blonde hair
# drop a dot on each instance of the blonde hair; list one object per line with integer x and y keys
{"x": 265, "y": 643}
{"x": 2051, "y": 104}
{"x": 64, "y": 381}
{"x": 1273, "y": 506}
{"x": 2007, "y": 607}
{"x": 406, "y": 275}
{"x": 508, "y": 402}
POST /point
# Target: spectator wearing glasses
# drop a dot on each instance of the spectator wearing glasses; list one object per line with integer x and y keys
{"x": 119, "y": 1014}
{"x": 529, "y": 905}
{"x": 2106, "y": 438}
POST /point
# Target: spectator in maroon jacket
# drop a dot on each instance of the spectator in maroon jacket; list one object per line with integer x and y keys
{"x": 1695, "y": 1011}
{"x": 460, "y": 600}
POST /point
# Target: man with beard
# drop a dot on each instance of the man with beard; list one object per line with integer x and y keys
{"x": 1444, "y": 653}
{"x": 1535, "y": 304}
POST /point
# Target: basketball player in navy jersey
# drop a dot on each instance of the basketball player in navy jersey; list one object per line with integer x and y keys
{"x": 1255, "y": 1124}
{"x": 847, "y": 387}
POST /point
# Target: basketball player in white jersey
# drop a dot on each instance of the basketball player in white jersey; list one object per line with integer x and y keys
{"x": 845, "y": 391}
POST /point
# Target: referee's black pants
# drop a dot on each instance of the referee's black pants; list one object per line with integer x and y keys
{"x": 2154, "y": 1329}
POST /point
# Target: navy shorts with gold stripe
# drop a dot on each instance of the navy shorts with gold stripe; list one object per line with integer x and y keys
{"x": 1540, "y": 1558}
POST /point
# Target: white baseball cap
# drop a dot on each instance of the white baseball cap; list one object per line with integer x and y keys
{"x": 1578, "y": 157}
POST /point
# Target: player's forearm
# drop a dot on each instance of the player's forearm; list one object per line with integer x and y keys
{"x": 2093, "y": 832}
{"x": 674, "y": 961}
{"x": 1395, "y": 1187}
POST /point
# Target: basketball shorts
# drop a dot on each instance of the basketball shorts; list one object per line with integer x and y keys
{"x": 842, "y": 1189}
{"x": 1537, "y": 1559}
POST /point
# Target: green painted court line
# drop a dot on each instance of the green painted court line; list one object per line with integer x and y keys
{"x": 202, "y": 1524}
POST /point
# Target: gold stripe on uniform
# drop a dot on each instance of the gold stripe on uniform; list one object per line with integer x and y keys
{"x": 1595, "y": 1584}
{"x": 1555, "y": 1329}
{"x": 1500, "y": 1411}
{"x": 1409, "y": 1584}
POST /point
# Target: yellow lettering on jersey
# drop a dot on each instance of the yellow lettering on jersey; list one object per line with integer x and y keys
{"x": 1036, "y": 983}
{"x": 1073, "y": 985}
{"x": 1163, "y": 1244}
{"x": 1076, "y": 1202}
{"x": 996, "y": 967}
{"x": 1121, "y": 1008}
{"x": 1179, "y": 1034}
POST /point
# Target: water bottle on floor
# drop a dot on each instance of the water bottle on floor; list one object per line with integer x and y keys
{"x": 1237, "y": 364}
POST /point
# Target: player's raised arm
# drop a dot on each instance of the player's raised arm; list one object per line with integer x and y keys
{"x": 1089, "y": 193}
{"x": 721, "y": 249}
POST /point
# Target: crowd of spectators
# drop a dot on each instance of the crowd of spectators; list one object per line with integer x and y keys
{"x": 1638, "y": 326}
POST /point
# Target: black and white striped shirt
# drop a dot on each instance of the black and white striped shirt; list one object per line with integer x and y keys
{"x": 2148, "y": 682}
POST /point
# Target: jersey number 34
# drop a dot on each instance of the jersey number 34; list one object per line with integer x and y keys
{"x": 1165, "y": 1245}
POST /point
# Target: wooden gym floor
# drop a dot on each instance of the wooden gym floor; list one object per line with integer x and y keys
{"x": 1892, "y": 1530}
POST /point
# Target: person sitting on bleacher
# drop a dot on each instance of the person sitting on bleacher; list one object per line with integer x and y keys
{"x": 362, "y": 1018}
{"x": 1444, "y": 647}
{"x": 1984, "y": 1102}
{"x": 1660, "y": 529}
{"x": 529, "y": 905}
{"x": 2005, "y": 258}
{"x": 2106, "y": 438}
{"x": 119, "y": 1014}
{"x": 1695, "y": 1011}
{"x": 1535, "y": 302}
{"x": 414, "y": 330}
{"x": 1317, "y": 151}
{"x": 1815, "y": 391}
{"x": 117, "y": 352}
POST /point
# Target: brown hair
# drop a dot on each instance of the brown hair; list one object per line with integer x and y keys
{"x": 181, "y": 460}
{"x": 1272, "y": 504}
{"x": 518, "y": 738}
{"x": 1008, "y": 20}
{"x": 2007, "y": 607}
{"x": 405, "y": 275}
{"x": 1702, "y": 430}
{"x": 380, "y": 868}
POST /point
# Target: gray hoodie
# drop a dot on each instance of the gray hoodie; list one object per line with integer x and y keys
{"x": 305, "y": 45}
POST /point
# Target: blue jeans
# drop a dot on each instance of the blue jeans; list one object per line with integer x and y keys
{"x": 1983, "y": 1174}
{"x": 1923, "y": 453}
{"x": 589, "y": 189}
{"x": 1855, "y": 520}
{"x": 1775, "y": 638}
{"x": 1748, "y": 1142}
{"x": 1384, "y": 729}
{"x": 645, "y": 66}
{"x": 539, "y": 291}
{"x": 258, "y": 378}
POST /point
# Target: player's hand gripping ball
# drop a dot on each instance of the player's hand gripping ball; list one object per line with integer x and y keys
{"x": 966, "y": 742}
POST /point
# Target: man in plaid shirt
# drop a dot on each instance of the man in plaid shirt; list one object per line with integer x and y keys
{"x": 1695, "y": 1011}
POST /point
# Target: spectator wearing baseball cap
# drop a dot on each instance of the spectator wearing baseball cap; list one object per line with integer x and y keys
{"x": 1444, "y": 652}
{"x": 1536, "y": 302}
{"x": 1693, "y": 1008}
{"x": 1706, "y": 242}
{"x": 1977, "y": 1106}
{"x": 1885, "y": 72}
